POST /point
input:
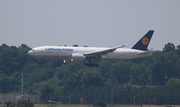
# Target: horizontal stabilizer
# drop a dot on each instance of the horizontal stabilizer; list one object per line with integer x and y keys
{"x": 145, "y": 52}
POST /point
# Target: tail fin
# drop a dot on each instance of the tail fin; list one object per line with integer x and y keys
{"x": 143, "y": 43}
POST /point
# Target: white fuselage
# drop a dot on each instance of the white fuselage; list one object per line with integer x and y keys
{"x": 91, "y": 54}
{"x": 65, "y": 52}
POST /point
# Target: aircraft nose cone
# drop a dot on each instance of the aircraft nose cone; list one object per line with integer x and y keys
{"x": 30, "y": 52}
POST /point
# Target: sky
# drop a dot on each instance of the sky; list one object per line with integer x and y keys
{"x": 96, "y": 23}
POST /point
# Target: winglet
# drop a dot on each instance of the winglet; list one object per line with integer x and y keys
{"x": 143, "y": 43}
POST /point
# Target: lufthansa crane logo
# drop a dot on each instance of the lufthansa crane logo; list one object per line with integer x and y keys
{"x": 145, "y": 41}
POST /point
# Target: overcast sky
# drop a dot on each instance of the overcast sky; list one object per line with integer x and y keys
{"x": 102, "y": 23}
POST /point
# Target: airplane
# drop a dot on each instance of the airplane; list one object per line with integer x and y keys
{"x": 90, "y": 55}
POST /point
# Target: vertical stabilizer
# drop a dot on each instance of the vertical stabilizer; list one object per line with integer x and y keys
{"x": 143, "y": 43}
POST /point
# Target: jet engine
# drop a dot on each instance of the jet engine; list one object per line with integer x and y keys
{"x": 77, "y": 57}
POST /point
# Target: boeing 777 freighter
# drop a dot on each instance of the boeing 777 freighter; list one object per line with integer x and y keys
{"x": 90, "y": 55}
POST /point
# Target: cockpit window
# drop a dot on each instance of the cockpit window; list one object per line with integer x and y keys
{"x": 33, "y": 50}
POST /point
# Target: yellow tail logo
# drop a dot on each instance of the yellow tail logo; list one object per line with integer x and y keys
{"x": 145, "y": 41}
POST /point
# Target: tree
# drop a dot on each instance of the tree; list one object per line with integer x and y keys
{"x": 53, "y": 80}
{"x": 9, "y": 104}
{"x": 173, "y": 82}
{"x": 139, "y": 74}
{"x": 47, "y": 93}
{"x": 24, "y": 103}
{"x": 168, "y": 47}
{"x": 92, "y": 77}
{"x": 178, "y": 50}
{"x": 5, "y": 83}
{"x": 99, "y": 103}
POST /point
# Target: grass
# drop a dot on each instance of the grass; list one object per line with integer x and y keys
{"x": 61, "y": 105}
{"x": 78, "y": 105}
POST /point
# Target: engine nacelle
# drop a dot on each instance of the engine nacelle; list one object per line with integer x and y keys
{"x": 77, "y": 57}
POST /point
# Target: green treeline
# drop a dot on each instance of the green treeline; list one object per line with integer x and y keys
{"x": 155, "y": 78}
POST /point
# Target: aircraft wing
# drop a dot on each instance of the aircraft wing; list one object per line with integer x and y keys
{"x": 103, "y": 52}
